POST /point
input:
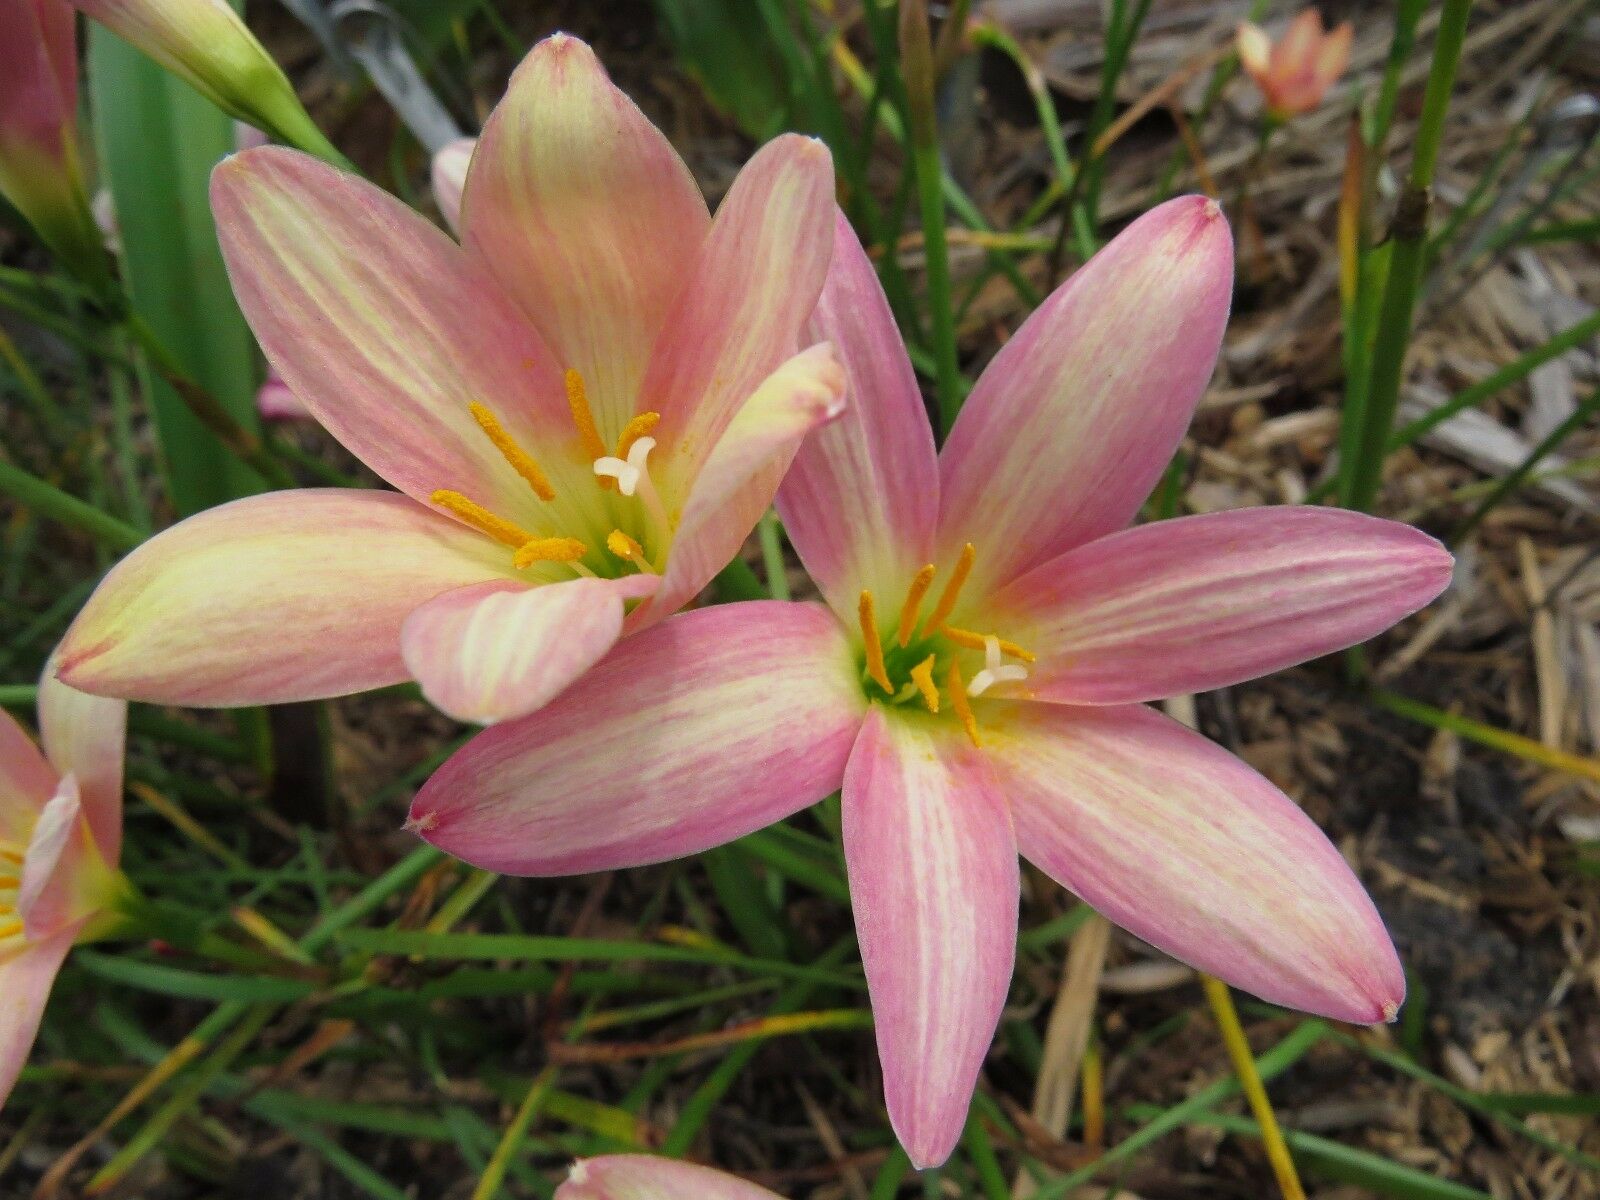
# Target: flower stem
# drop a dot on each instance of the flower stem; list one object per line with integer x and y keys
{"x": 916, "y": 64}
{"x": 207, "y": 409}
{"x": 1244, "y": 1066}
{"x": 1410, "y": 238}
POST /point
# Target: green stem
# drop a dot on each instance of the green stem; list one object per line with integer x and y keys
{"x": 207, "y": 409}
{"x": 1410, "y": 237}
{"x": 916, "y": 58}
{"x": 1516, "y": 478}
{"x": 50, "y": 501}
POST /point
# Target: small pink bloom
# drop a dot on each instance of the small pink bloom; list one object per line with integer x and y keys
{"x": 643, "y": 1177}
{"x": 1295, "y": 73}
{"x": 60, "y": 838}
{"x": 594, "y": 394}
{"x": 976, "y": 687}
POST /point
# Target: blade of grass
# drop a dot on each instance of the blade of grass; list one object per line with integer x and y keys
{"x": 916, "y": 64}
{"x": 1408, "y": 246}
{"x": 50, "y": 501}
{"x": 1486, "y": 735}
{"x": 1516, "y": 477}
{"x": 1244, "y": 1067}
{"x": 158, "y": 140}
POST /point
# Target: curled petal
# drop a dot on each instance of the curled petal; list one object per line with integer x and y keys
{"x": 1077, "y": 416}
{"x": 1182, "y": 844}
{"x": 498, "y": 650}
{"x": 737, "y": 483}
{"x": 86, "y": 736}
{"x": 587, "y": 216}
{"x": 933, "y": 881}
{"x": 747, "y": 297}
{"x": 25, "y": 982}
{"x": 1203, "y": 602}
{"x": 862, "y": 498}
{"x": 294, "y": 595}
{"x": 63, "y": 877}
{"x": 644, "y": 1177}
{"x": 705, "y": 728}
{"x": 385, "y": 330}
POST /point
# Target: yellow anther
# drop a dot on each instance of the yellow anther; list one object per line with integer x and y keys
{"x": 974, "y": 641}
{"x": 908, "y": 611}
{"x": 624, "y": 547}
{"x": 10, "y": 856}
{"x": 952, "y": 589}
{"x": 578, "y": 402}
{"x": 922, "y": 676}
{"x": 869, "y": 633}
{"x": 548, "y": 549}
{"x": 9, "y": 929}
{"x": 958, "y": 701}
{"x": 638, "y": 427}
{"x": 521, "y": 461}
{"x": 9, "y": 881}
{"x": 481, "y": 519}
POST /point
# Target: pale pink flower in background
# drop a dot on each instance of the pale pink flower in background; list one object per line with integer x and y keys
{"x": 643, "y": 1177}
{"x": 449, "y": 179}
{"x": 977, "y": 681}
{"x": 586, "y": 405}
{"x": 1295, "y": 73}
{"x": 60, "y": 838}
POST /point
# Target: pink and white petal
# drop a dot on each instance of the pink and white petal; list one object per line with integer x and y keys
{"x": 1077, "y": 416}
{"x": 1182, "y": 844}
{"x": 1203, "y": 602}
{"x": 933, "y": 880}
{"x": 294, "y": 595}
{"x": 701, "y": 730}
{"x": 25, "y": 982}
{"x": 737, "y": 483}
{"x": 448, "y": 178}
{"x": 64, "y": 880}
{"x": 498, "y": 650}
{"x": 86, "y": 736}
{"x": 27, "y": 781}
{"x": 384, "y": 328}
{"x": 861, "y": 501}
{"x": 747, "y": 297}
{"x": 1296, "y": 50}
{"x": 587, "y": 216}
{"x": 645, "y": 1177}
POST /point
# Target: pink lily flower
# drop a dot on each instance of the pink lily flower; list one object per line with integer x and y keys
{"x": 1295, "y": 73}
{"x": 274, "y": 400}
{"x": 41, "y": 172}
{"x": 644, "y": 1177}
{"x": 60, "y": 838}
{"x": 977, "y": 680}
{"x": 585, "y": 406}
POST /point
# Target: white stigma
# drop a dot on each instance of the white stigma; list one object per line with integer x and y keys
{"x": 994, "y": 671}
{"x": 627, "y": 472}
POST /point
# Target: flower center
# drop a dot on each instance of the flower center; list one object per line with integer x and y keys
{"x": 626, "y": 470}
{"x": 11, "y": 936}
{"x": 922, "y": 659}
